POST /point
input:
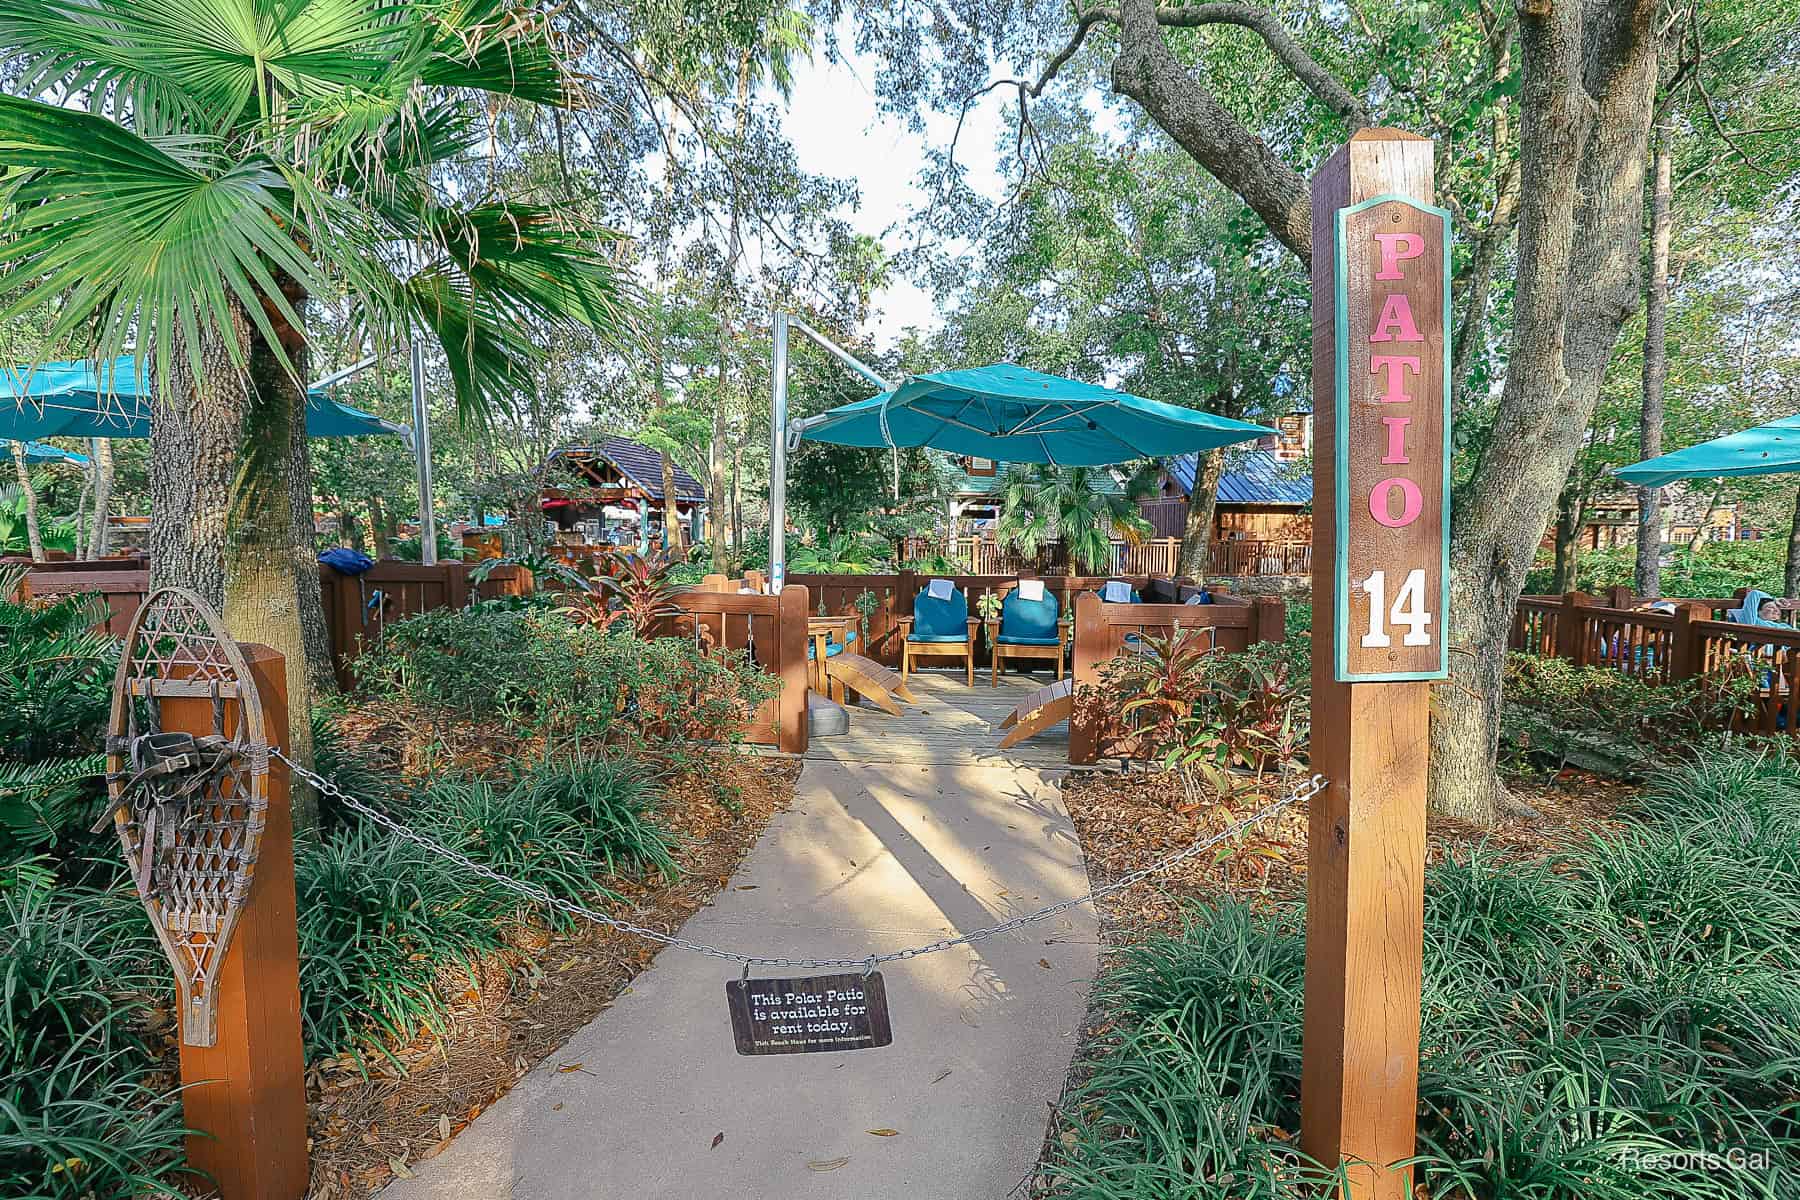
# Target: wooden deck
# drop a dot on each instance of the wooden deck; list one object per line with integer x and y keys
{"x": 952, "y": 723}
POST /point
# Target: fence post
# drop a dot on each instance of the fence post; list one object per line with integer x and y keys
{"x": 1620, "y": 596}
{"x": 1268, "y": 619}
{"x": 245, "y": 1095}
{"x": 456, "y": 585}
{"x": 790, "y": 625}
{"x": 1084, "y": 738}
{"x": 1571, "y": 636}
{"x": 1687, "y": 651}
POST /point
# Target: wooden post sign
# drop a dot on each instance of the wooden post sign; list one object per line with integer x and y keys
{"x": 809, "y": 1016}
{"x": 1391, "y": 409}
{"x": 1380, "y": 299}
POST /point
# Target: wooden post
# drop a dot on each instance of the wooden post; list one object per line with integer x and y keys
{"x": 1268, "y": 619}
{"x": 1380, "y": 291}
{"x": 1084, "y": 739}
{"x": 245, "y": 1095}
{"x": 790, "y": 623}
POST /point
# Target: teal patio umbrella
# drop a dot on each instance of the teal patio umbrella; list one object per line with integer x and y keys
{"x": 110, "y": 400}
{"x": 1013, "y": 414}
{"x": 39, "y": 454}
{"x": 1770, "y": 449}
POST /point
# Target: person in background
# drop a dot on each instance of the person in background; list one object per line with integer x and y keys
{"x": 1758, "y": 608}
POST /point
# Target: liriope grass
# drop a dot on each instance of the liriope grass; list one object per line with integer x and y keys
{"x": 1622, "y": 1023}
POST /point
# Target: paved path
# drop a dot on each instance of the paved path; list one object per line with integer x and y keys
{"x": 872, "y": 856}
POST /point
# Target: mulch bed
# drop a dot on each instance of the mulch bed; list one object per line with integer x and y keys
{"x": 369, "y": 1120}
{"x": 1127, "y": 820}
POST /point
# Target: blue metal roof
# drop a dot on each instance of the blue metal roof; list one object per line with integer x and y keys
{"x": 1258, "y": 477}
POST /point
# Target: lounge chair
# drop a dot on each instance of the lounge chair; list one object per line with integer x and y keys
{"x": 868, "y": 678}
{"x": 1030, "y": 630}
{"x": 939, "y": 628}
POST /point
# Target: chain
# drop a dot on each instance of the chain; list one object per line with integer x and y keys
{"x": 1304, "y": 792}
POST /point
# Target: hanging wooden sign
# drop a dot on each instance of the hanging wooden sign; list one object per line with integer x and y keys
{"x": 1392, "y": 268}
{"x": 810, "y": 1015}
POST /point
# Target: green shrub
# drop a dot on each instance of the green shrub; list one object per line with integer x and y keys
{"x": 55, "y": 697}
{"x": 549, "y": 675}
{"x": 381, "y": 918}
{"x": 1585, "y": 1021}
{"x": 1711, "y": 570}
{"x": 1556, "y": 712}
{"x": 80, "y": 1114}
{"x": 611, "y": 797}
{"x": 378, "y": 918}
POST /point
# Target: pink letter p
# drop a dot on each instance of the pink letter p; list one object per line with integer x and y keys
{"x": 1394, "y": 247}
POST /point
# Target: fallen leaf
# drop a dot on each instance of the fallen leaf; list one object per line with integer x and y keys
{"x": 748, "y": 887}
{"x": 399, "y": 1168}
{"x": 827, "y": 1164}
{"x": 942, "y": 1075}
{"x": 885, "y": 1132}
{"x": 1044, "y": 963}
{"x": 1069, "y": 1138}
{"x": 565, "y": 1068}
{"x": 717, "y": 1138}
{"x": 557, "y": 1107}
{"x": 443, "y": 1126}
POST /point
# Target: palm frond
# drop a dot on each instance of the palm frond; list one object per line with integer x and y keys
{"x": 135, "y": 238}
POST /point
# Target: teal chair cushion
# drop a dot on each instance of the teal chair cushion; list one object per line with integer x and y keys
{"x": 1028, "y": 622}
{"x": 940, "y": 620}
{"x": 832, "y": 649}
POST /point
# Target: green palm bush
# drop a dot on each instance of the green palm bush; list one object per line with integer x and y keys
{"x": 1041, "y": 503}
{"x": 56, "y": 669}
{"x": 1590, "y": 1023}
{"x": 193, "y": 173}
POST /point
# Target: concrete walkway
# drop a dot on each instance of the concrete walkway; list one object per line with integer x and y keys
{"x": 873, "y": 856}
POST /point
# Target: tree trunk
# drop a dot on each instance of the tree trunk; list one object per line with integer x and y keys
{"x": 1203, "y": 502}
{"x": 715, "y": 462}
{"x": 737, "y": 499}
{"x": 265, "y": 575}
{"x": 34, "y": 536}
{"x": 100, "y": 537}
{"x": 1648, "y": 575}
{"x": 1570, "y": 507}
{"x": 378, "y": 528}
{"x": 196, "y": 432}
{"x": 1585, "y": 105}
{"x": 304, "y": 554}
{"x": 1791, "y": 578}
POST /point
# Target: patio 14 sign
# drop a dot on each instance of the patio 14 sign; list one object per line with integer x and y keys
{"x": 1393, "y": 439}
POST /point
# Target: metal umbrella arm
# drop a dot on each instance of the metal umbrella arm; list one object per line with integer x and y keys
{"x": 784, "y": 435}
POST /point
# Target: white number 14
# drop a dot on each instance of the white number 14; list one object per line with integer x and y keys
{"x": 1408, "y": 610}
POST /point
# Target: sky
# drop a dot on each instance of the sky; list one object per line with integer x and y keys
{"x": 836, "y": 129}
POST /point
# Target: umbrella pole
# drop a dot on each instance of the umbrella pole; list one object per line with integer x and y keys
{"x": 422, "y": 452}
{"x": 778, "y": 457}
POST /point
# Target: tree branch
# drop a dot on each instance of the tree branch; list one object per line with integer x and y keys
{"x": 1303, "y": 66}
{"x": 1148, "y": 72}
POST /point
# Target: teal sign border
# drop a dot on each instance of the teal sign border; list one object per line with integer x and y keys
{"x": 1341, "y": 449}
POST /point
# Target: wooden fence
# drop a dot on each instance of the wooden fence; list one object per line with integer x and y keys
{"x": 1614, "y": 632}
{"x": 892, "y": 598}
{"x": 771, "y": 630}
{"x": 1105, "y": 631}
{"x": 1236, "y": 557}
{"x": 357, "y": 607}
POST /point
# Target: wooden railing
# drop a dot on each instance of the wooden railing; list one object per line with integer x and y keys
{"x": 1245, "y": 557}
{"x": 357, "y": 607}
{"x": 771, "y": 630}
{"x": 1663, "y": 648}
{"x": 1236, "y": 557}
{"x": 893, "y": 596}
{"x": 1105, "y": 631}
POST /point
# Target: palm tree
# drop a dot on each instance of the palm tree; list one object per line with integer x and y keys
{"x": 1040, "y": 503}
{"x": 196, "y": 171}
